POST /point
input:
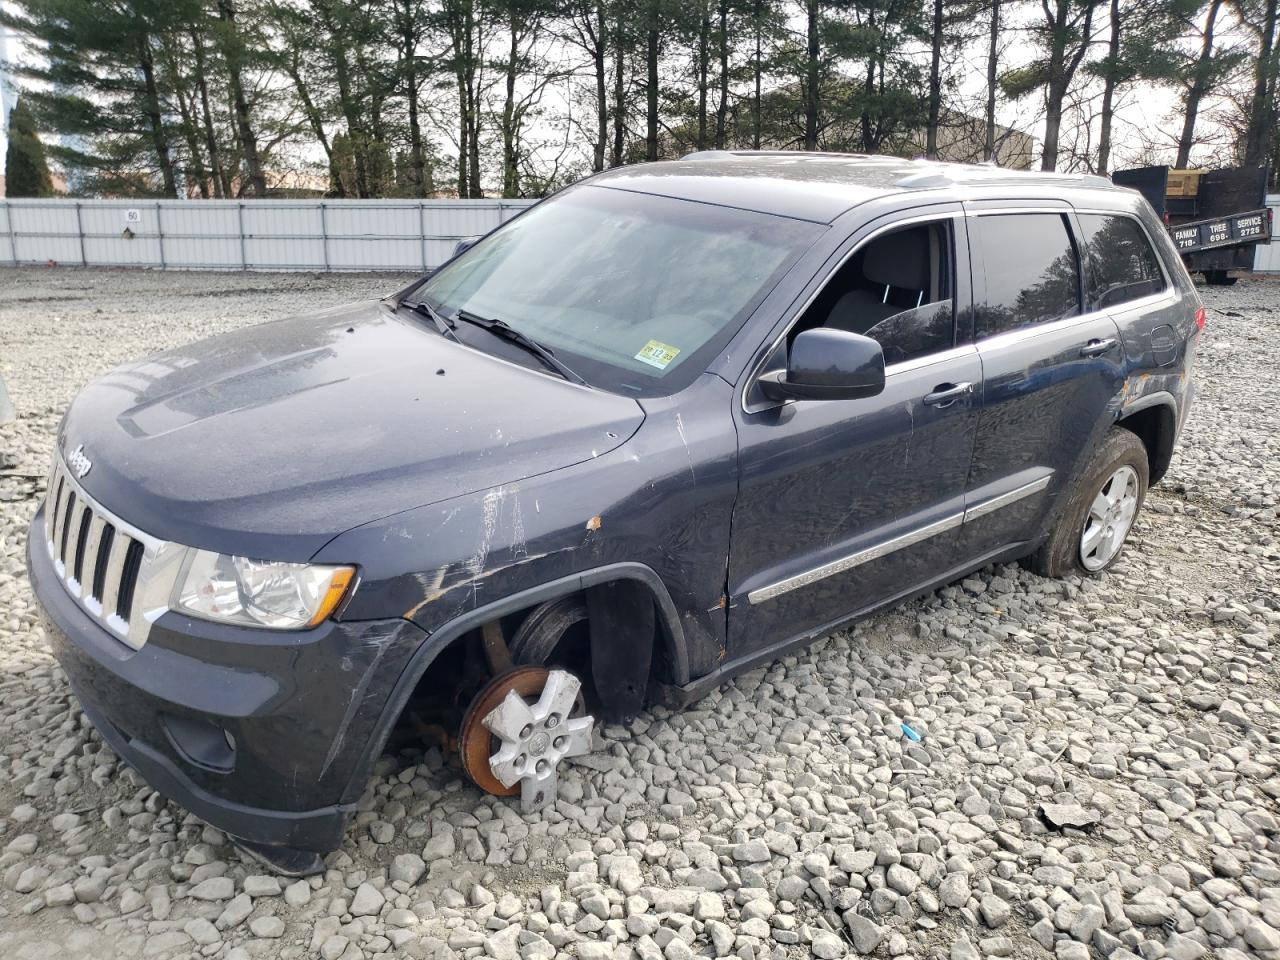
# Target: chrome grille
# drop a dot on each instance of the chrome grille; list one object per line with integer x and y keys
{"x": 115, "y": 572}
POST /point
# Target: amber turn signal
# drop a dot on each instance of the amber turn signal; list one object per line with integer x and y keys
{"x": 338, "y": 585}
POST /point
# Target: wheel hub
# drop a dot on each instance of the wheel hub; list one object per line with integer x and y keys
{"x": 518, "y": 730}
{"x": 1110, "y": 515}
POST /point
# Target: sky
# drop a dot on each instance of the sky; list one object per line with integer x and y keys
{"x": 7, "y": 95}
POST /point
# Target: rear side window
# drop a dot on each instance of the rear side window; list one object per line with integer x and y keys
{"x": 1122, "y": 265}
{"x": 1032, "y": 272}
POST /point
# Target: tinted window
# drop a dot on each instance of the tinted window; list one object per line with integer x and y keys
{"x": 1122, "y": 265}
{"x": 1032, "y": 275}
{"x": 896, "y": 289}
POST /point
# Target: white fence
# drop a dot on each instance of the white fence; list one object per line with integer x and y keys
{"x": 245, "y": 235}
{"x": 274, "y": 234}
{"x": 1266, "y": 258}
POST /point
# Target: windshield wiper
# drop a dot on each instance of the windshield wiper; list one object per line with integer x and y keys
{"x": 501, "y": 328}
{"x": 444, "y": 326}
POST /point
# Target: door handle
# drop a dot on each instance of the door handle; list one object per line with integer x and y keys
{"x": 1096, "y": 348}
{"x": 945, "y": 394}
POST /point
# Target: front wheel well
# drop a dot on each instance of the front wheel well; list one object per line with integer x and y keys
{"x": 616, "y": 638}
{"x": 1156, "y": 426}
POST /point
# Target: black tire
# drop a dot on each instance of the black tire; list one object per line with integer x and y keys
{"x": 1060, "y": 555}
{"x": 538, "y": 637}
{"x": 1219, "y": 278}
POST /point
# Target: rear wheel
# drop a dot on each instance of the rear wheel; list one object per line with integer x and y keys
{"x": 1219, "y": 278}
{"x": 1101, "y": 506}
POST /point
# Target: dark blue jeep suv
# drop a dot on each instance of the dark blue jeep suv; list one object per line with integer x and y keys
{"x": 661, "y": 428}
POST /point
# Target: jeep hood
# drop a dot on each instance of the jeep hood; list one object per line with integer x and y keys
{"x": 269, "y": 441}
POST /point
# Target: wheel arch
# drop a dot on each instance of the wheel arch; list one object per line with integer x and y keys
{"x": 1154, "y": 418}
{"x": 670, "y": 633}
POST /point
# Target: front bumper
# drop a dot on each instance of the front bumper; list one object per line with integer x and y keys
{"x": 264, "y": 734}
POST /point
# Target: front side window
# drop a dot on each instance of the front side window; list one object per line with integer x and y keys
{"x": 897, "y": 289}
{"x": 634, "y": 292}
{"x": 1032, "y": 272}
{"x": 1122, "y": 265}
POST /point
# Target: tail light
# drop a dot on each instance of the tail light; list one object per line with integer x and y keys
{"x": 1200, "y": 318}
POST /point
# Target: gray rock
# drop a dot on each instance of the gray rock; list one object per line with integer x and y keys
{"x": 261, "y": 886}
{"x": 215, "y": 888}
{"x": 827, "y": 946}
{"x": 954, "y": 890}
{"x": 202, "y": 931}
{"x": 994, "y": 910}
{"x": 753, "y": 851}
{"x": 267, "y": 927}
{"x": 865, "y": 934}
{"x": 407, "y": 868}
{"x": 367, "y": 902}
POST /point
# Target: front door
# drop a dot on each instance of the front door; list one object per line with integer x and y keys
{"x": 1050, "y": 367}
{"x": 846, "y": 504}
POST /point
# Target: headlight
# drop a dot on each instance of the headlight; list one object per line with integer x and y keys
{"x": 283, "y": 596}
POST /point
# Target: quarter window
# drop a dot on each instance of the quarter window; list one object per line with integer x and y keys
{"x": 1122, "y": 265}
{"x": 1032, "y": 272}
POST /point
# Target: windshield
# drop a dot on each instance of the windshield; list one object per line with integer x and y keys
{"x": 634, "y": 292}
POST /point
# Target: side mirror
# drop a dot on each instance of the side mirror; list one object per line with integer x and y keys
{"x": 466, "y": 243}
{"x": 827, "y": 364}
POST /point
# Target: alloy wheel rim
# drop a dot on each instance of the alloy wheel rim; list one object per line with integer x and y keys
{"x": 1110, "y": 517}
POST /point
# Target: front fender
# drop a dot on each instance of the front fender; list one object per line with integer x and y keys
{"x": 431, "y": 648}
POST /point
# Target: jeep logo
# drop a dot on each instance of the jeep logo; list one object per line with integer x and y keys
{"x": 79, "y": 463}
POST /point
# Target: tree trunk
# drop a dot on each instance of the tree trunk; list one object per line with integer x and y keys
{"x": 1199, "y": 87}
{"x": 221, "y": 187}
{"x": 619, "y": 91}
{"x": 463, "y": 146}
{"x": 510, "y": 171}
{"x": 248, "y": 140}
{"x": 811, "y": 77}
{"x": 651, "y": 93}
{"x": 185, "y": 100}
{"x": 473, "y": 137}
{"x": 460, "y": 21}
{"x": 1261, "y": 109}
{"x": 722, "y": 106}
{"x": 1062, "y": 70}
{"x": 417, "y": 155}
{"x": 602, "y": 102}
{"x": 294, "y": 69}
{"x": 757, "y": 69}
{"x": 351, "y": 112}
{"x": 155, "y": 116}
{"x": 869, "y": 91}
{"x": 993, "y": 73}
{"x": 704, "y": 29}
{"x": 1109, "y": 90}
{"x": 935, "y": 84}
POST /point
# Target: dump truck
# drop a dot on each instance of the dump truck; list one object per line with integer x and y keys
{"x": 1216, "y": 217}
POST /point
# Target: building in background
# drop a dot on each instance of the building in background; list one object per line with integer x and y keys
{"x": 962, "y": 138}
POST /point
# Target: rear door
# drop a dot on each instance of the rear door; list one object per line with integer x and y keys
{"x": 1050, "y": 368}
{"x": 1124, "y": 278}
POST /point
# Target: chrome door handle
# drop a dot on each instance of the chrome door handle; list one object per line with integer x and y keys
{"x": 945, "y": 394}
{"x": 1096, "y": 348}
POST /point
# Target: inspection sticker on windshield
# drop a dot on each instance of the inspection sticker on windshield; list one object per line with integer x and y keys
{"x": 657, "y": 354}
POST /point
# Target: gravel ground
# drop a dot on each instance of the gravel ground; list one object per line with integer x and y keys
{"x": 1097, "y": 774}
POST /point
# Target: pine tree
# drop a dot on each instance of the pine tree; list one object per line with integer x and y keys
{"x": 26, "y": 172}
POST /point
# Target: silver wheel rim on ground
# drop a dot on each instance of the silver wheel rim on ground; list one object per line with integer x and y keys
{"x": 1110, "y": 516}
